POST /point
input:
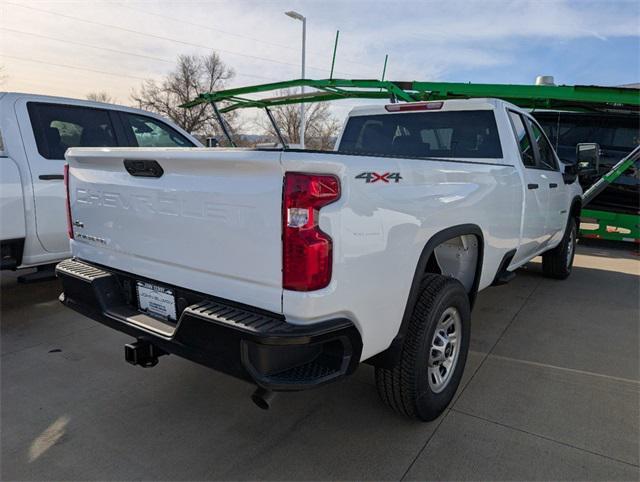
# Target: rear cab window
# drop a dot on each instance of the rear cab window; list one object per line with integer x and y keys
{"x": 57, "y": 127}
{"x": 446, "y": 134}
{"x": 146, "y": 131}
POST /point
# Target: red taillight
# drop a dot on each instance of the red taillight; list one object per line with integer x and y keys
{"x": 413, "y": 106}
{"x": 307, "y": 251}
{"x": 68, "y": 201}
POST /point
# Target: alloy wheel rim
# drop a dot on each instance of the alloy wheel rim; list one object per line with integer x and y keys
{"x": 444, "y": 350}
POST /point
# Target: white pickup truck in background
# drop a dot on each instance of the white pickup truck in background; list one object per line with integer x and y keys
{"x": 35, "y": 132}
{"x": 288, "y": 268}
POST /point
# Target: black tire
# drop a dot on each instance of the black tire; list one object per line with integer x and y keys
{"x": 406, "y": 388}
{"x": 558, "y": 262}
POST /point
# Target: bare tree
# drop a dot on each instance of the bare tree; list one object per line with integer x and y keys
{"x": 101, "y": 96}
{"x": 321, "y": 126}
{"x": 193, "y": 75}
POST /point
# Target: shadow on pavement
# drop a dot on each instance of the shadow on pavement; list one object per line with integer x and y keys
{"x": 608, "y": 249}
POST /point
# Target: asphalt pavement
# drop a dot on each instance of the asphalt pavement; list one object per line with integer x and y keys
{"x": 551, "y": 392}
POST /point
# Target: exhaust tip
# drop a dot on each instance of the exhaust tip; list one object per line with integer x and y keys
{"x": 263, "y": 398}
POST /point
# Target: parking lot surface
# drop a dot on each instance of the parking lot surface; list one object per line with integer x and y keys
{"x": 551, "y": 391}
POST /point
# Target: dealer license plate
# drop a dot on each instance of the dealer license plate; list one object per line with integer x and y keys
{"x": 156, "y": 300}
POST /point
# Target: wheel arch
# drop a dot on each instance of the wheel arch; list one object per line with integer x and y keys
{"x": 390, "y": 356}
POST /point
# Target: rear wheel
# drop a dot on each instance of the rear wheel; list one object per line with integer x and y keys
{"x": 433, "y": 354}
{"x": 558, "y": 262}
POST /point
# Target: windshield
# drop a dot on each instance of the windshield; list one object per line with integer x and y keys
{"x": 457, "y": 134}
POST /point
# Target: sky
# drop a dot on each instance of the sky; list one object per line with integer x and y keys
{"x": 72, "y": 48}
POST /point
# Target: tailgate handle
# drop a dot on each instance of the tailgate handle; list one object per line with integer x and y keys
{"x": 143, "y": 168}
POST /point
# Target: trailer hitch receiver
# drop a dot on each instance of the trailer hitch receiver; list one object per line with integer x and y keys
{"x": 142, "y": 353}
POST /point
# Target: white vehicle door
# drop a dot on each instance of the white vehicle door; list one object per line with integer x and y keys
{"x": 536, "y": 193}
{"x": 548, "y": 162}
{"x": 48, "y": 129}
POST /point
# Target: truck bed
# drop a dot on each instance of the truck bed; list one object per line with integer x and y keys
{"x": 212, "y": 223}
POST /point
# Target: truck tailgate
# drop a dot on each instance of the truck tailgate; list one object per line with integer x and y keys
{"x": 210, "y": 222}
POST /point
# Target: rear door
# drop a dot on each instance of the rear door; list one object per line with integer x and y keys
{"x": 536, "y": 193}
{"x": 48, "y": 129}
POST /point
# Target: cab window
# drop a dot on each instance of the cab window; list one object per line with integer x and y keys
{"x": 57, "y": 127}
{"x": 457, "y": 134}
{"x": 547, "y": 156}
{"x": 149, "y": 132}
{"x": 523, "y": 139}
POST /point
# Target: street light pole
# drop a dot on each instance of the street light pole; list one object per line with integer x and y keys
{"x": 303, "y": 19}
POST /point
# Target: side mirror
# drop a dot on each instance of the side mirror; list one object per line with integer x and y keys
{"x": 588, "y": 157}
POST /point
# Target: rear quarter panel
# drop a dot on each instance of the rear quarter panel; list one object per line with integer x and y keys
{"x": 380, "y": 229}
{"x": 18, "y": 209}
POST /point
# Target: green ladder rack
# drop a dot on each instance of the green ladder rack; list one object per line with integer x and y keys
{"x": 581, "y": 98}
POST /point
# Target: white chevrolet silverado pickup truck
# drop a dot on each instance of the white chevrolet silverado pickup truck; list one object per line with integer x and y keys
{"x": 287, "y": 268}
{"x": 35, "y": 132}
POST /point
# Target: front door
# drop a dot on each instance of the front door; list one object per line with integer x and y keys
{"x": 557, "y": 213}
{"x": 536, "y": 193}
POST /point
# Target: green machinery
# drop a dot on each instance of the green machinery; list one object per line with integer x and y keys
{"x": 608, "y": 224}
{"x": 577, "y": 98}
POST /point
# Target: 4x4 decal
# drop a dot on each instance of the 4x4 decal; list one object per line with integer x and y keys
{"x": 375, "y": 177}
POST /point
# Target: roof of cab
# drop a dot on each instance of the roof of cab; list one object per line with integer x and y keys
{"x": 9, "y": 98}
{"x": 447, "y": 105}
